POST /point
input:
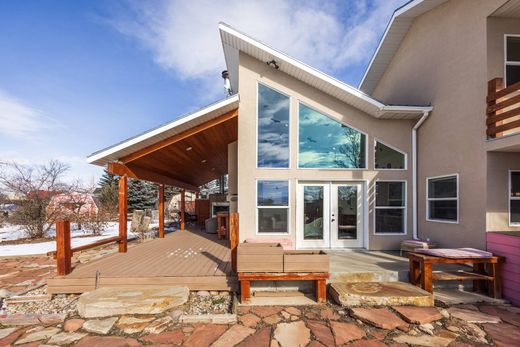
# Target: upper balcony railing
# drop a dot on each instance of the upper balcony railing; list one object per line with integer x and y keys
{"x": 503, "y": 109}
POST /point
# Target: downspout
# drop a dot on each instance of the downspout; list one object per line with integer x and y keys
{"x": 414, "y": 172}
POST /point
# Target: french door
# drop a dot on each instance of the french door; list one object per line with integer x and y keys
{"x": 329, "y": 215}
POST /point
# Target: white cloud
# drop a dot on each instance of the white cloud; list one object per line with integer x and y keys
{"x": 183, "y": 35}
{"x": 19, "y": 120}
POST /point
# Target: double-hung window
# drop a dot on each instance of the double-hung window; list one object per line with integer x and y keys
{"x": 443, "y": 199}
{"x": 390, "y": 211}
{"x": 514, "y": 198}
{"x": 512, "y": 59}
{"x": 272, "y": 207}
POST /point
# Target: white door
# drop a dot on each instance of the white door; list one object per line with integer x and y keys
{"x": 346, "y": 221}
{"x": 329, "y": 215}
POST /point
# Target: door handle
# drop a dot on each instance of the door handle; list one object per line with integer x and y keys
{"x": 333, "y": 219}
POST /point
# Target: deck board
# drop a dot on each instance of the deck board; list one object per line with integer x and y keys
{"x": 189, "y": 257}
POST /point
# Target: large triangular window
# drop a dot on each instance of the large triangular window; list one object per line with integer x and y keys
{"x": 327, "y": 143}
{"x": 388, "y": 158}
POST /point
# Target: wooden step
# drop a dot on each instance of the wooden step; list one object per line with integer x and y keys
{"x": 459, "y": 276}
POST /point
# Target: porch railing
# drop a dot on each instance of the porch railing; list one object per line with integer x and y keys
{"x": 503, "y": 109}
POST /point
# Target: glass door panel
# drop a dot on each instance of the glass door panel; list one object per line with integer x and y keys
{"x": 313, "y": 212}
{"x": 346, "y": 206}
{"x": 313, "y": 216}
{"x": 347, "y": 212}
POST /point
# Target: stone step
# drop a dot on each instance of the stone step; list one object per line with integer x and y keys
{"x": 391, "y": 293}
{"x": 392, "y": 276}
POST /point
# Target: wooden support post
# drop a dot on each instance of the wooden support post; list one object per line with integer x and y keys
{"x": 426, "y": 277}
{"x": 321, "y": 291}
{"x": 63, "y": 250}
{"x": 233, "y": 239}
{"x": 245, "y": 291}
{"x": 161, "y": 211}
{"x": 183, "y": 207}
{"x": 123, "y": 213}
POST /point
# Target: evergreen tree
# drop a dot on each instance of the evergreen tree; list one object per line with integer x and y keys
{"x": 108, "y": 194}
{"x": 141, "y": 195}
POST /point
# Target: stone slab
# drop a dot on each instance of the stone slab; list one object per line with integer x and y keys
{"x": 379, "y": 317}
{"x": 471, "y": 316}
{"x": 282, "y": 300}
{"x": 379, "y": 294}
{"x": 105, "y": 302}
{"x": 419, "y": 315}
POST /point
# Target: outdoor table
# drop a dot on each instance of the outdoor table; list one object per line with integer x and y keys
{"x": 486, "y": 270}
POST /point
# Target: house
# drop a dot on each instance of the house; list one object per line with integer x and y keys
{"x": 73, "y": 203}
{"x": 424, "y": 148}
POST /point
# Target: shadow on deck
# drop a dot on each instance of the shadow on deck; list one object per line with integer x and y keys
{"x": 191, "y": 258}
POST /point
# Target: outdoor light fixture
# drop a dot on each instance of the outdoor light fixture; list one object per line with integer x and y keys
{"x": 203, "y": 161}
{"x": 189, "y": 148}
{"x": 273, "y": 63}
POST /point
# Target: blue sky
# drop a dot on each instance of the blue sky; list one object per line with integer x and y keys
{"x": 77, "y": 76}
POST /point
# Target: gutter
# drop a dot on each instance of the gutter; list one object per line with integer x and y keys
{"x": 421, "y": 120}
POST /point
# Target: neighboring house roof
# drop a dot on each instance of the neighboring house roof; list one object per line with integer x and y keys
{"x": 510, "y": 9}
{"x": 179, "y": 125}
{"x": 234, "y": 41}
{"x": 396, "y": 30}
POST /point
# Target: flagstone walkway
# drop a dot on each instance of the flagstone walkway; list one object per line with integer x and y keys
{"x": 269, "y": 326}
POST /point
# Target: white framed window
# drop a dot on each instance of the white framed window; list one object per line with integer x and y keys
{"x": 511, "y": 59}
{"x": 387, "y": 157}
{"x": 272, "y": 207}
{"x": 442, "y": 199}
{"x": 272, "y": 128}
{"x": 390, "y": 208}
{"x": 328, "y": 143}
{"x": 514, "y": 198}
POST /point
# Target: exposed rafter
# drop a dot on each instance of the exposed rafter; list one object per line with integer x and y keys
{"x": 137, "y": 172}
{"x": 176, "y": 138}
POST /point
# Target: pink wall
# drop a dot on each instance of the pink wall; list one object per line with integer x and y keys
{"x": 508, "y": 245}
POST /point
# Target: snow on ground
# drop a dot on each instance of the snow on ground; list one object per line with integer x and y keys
{"x": 14, "y": 232}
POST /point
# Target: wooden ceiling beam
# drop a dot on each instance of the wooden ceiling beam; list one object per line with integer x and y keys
{"x": 176, "y": 138}
{"x": 137, "y": 172}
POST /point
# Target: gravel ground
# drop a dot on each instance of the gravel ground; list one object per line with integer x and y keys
{"x": 61, "y": 303}
{"x": 203, "y": 302}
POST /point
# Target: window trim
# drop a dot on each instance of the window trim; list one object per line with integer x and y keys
{"x": 510, "y": 198}
{"x": 258, "y": 82}
{"x": 405, "y": 208}
{"x": 428, "y": 199}
{"x": 334, "y": 119}
{"x": 506, "y": 62}
{"x": 376, "y": 140}
{"x": 288, "y": 207}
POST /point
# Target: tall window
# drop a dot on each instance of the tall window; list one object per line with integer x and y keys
{"x": 443, "y": 199}
{"x": 273, "y": 128}
{"x": 327, "y": 143}
{"x": 390, "y": 209}
{"x": 273, "y": 206}
{"x": 512, "y": 59}
{"x": 514, "y": 198}
{"x": 388, "y": 158}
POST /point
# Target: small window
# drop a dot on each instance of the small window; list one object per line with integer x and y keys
{"x": 273, "y": 207}
{"x": 514, "y": 198}
{"x": 325, "y": 143}
{"x": 390, "y": 212}
{"x": 443, "y": 199}
{"x": 387, "y": 158}
{"x": 512, "y": 60}
{"x": 273, "y": 128}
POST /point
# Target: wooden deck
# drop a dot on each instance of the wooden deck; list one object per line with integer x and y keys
{"x": 191, "y": 258}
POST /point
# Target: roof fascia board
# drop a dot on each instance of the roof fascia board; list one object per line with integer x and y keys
{"x": 128, "y": 143}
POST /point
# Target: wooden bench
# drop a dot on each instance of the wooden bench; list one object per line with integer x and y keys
{"x": 485, "y": 270}
{"x": 319, "y": 278}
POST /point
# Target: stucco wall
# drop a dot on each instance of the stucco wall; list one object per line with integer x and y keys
{"x": 496, "y": 28}
{"x": 498, "y": 166}
{"x": 394, "y": 133}
{"x": 443, "y": 61}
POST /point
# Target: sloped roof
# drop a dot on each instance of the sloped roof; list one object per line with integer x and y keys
{"x": 395, "y": 32}
{"x": 179, "y": 125}
{"x": 233, "y": 41}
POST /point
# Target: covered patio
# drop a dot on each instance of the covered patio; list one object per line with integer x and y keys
{"x": 186, "y": 153}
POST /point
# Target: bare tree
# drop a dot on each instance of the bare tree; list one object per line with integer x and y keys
{"x": 36, "y": 184}
{"x": 354, "y": 157}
